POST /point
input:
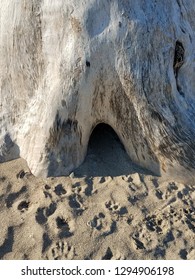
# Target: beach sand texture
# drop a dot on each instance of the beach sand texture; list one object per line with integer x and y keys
{"x": 108, "y": 208}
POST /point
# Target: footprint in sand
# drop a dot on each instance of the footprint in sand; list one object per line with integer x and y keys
{"x": 108, "y": 255}
{"x": 186, "y": 195}
{"x": 7, "y": 245}
{"x": 190, "y": 218}
{"x": 47, "y": 191}
{"x": 102, "y": 180}
{"x": 22, "y": 174}
{"x": 47, "y": 187}
{"x": 168, "y": 238}
{"x": 46, "y": 241}
{"x": 153, "y": 224}
{"x": 77, "y": 189}
{"x": 23, "y": 205}
{"x": 96, "y": 222}
{"x": 47, "y": 195}
{"x": 171, "y": 190}
{"x": 43, "y": 213}
{"x": 104, "y": 224}
{"x": 61, "y": 251}
{"x": 59, "y": 190}
{"x": 133, "y": 199}
{"x": 64, "y": 227}
{"x": 40, "y": 216}
{"x": 138, "y": 243}
{"x": 75, "y": 202}
{"x": 183, "y": 254}
{"x": 2, "y": 179}
{"x": 13, "y": 196}
{"x": 9, "y": 187}
{"x": 159, "y": 252}
{"x": 115, "y": 208}
{"x": 159, "y": 194}
{"x": 87, "y": 188}
{"x": 50, "y": 210}
{"x": 105, "y": 180}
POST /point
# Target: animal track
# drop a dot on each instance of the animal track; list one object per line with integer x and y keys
{"x": 40, "y": 216}
{"x": 47, "y": 187}
{"x": 139, "y": 244}
{"x": 63, "y": 226}
{"x": 75, "y": 202}
{"x": 190, "y": 218}
{"x": 97, "y": 221}
{"x": 59, "y": 190}
{"x": 108, "y": 255}
{"x": 102, "y": 180}
{"x": 21, "y": 174}
{"x": 183, "y": 254}
{"x": 159, "y": 194}
{"x": 159, "y": 252}
{"x": 185, "y": 195}
{"x": 13, "y": 196}
{"x": 46, "y": 241}
{"x": 77, "y": 189}
{"x": 9, "y": 187}
{"x": 115, "y": 208}
{"x": 47, "y": 194}
{"x": 7, "y": 245}
{"x": 89, "y": 189}
{"x": 23, "y": 205}
{"x": 61, "y": 251}
{"x": 103, "y": 224}
{"x": 44, "y": 212}
{"x": 168, "y": 238}
{"x": 133, "y": 199}
{"x": 152, "y": 224}
{"x": 51, "y": 209}
{"x": 171, "y": 188}
{"x": 2, "y": 179}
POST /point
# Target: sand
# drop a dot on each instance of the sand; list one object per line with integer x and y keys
{"x": 108, "y": 208}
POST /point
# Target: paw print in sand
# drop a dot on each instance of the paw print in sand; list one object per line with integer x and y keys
{"x": 105, "y": 225}
{"x": 61, "y": 251}
{"x": 115, "y": 208}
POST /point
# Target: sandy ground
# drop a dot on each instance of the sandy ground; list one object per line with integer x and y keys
{"x": 109, "y": 208}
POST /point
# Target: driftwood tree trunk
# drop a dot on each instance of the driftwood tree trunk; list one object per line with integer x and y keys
{"x": 66, "y": 66}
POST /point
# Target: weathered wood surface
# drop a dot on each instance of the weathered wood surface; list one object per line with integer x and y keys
{"x": 66, "y": 66}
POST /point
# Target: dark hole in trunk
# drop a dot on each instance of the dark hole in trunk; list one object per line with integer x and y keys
{"x": 106, "y": 155}
{"x": 178, "y": 57}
